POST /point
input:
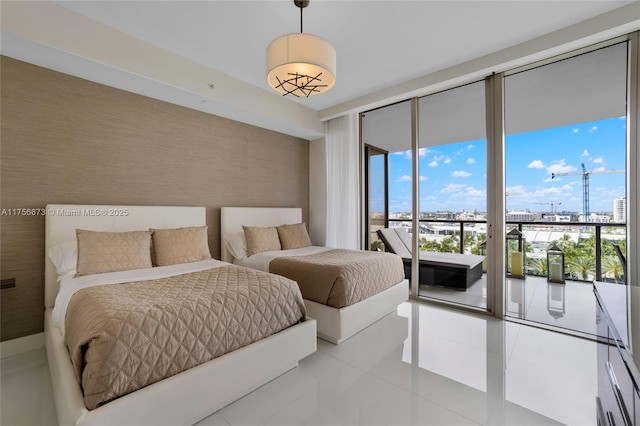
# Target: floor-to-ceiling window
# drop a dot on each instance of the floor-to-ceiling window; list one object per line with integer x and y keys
{"x": 376, "y": 200}
{"x": 566, "y": 131}
{"x": 565, "y": 156}
{"x": 387, "y": 134}
{"x": 453, "y": 194}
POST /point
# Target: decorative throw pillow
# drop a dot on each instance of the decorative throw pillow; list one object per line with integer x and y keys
{"x": 100, "y": 252}
{"x": 261, "y": 239}
{"x": 236, "y": 245}
{"x": 293, "y": 236}
{"x": 65, "y": 258}
{"x": 180, "y": 245}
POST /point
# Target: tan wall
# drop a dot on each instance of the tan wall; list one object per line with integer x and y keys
{"x": 68, "y": 140}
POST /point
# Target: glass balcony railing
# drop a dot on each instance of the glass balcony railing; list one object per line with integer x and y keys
{"x": 588, "y": 248}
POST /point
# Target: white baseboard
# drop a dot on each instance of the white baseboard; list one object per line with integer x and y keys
{"x": 21, "y": 345}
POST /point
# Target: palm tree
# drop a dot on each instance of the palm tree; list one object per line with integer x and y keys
{"x": 563, "y": 242}
{"x": 589, "y": 245}
{"x": 475, "y": 249}
{"x": 450, "y": 245}
{"x": 538, "y": 266}
{"x": 612, "y": 268}
{"x": 582, "y": 265}
{"x": 469, "y": 241}
{"x": 429, "y": 245}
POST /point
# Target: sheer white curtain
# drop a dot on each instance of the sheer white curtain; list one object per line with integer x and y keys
{"x": 343, "y": 195}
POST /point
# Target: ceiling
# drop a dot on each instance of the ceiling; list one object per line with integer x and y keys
{"x": 385, "y": 49}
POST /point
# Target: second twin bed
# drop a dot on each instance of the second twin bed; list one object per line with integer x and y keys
{"x": 344, "y": 290}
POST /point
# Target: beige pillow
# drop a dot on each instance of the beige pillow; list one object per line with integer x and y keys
{"x": 261, "y": 239}
{"x": 180, "y": 245}
{"x": 100, "y": 252}
{"x": 293, "y": 236}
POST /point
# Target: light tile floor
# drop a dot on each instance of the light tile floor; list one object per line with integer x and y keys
{"x": 420, "y": 365}
{"x": 571, "y": 306}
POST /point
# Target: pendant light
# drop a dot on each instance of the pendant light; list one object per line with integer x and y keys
{"x": 301, "y": 64}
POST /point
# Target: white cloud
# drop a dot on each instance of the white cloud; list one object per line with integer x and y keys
{"x": 603, "y": 192}
{"x": 473, "y": 192}
{"x": 470, "y": 161}
{"x": 461, "y": 191}
{"x": 600, "y": 169}
{"x": 403, "y": 178}
{"x": 593, "y": 129}
{"x": 536, "y": 164}
{"x": 575, "y": 130}
{"x": 460, "y": 173}
{"x": 452, "y": 187}
{"x": 560, "y": 166}
{"x": 598, "y": 160}
{"x": 423, "y": 178}
{"x": 447, "y": 160}
{"x": 469, "y": 146}
{"x": 585, "y": 153}
{"x": 422, "y": 152}
{"x": 554, "y": 190}
{"x": 434, "y": 163}
{"x": 517, "y": 190}
{"x": 549, "y": 179}
{"x": 429, "y": 198}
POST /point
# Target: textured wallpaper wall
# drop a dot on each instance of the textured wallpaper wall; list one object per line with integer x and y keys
{"x": 68, "y": 140}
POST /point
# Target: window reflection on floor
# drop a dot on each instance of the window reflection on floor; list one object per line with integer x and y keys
{"x": 570, "y": 306}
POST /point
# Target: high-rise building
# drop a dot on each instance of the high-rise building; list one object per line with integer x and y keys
{"x": 620, "y": 209}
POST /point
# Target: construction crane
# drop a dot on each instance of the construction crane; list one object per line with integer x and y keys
{"x": 585, "y": 185}
{"x": 551, "y": 203}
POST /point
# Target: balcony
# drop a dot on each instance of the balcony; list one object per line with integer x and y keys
{"x": 589, "y": 256}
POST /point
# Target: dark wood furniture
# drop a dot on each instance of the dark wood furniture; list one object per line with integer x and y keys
{"x": 618, "y": 322}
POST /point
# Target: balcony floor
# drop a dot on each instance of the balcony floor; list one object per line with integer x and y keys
{"x": 570, "y": 306}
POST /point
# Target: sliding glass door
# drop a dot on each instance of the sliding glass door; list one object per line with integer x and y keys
{"x": 452, "y": 198}
{"x": 453, "y": 195}
{"x": 548, "y": 216}
{"x": 386, "y": 133}
{"x": 565, "y": 159}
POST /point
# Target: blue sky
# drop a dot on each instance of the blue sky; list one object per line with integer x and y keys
{"x": 453, "y": 176}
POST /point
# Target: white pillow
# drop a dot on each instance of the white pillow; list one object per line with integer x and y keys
{"x": 65, "y": 258}
{"x": 236, "y": 245}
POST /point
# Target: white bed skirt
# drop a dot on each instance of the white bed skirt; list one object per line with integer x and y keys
{"x": 185, "y": 398}
{"x": 337, "y": 325}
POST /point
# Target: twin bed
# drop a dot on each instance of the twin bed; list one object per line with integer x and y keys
{"x": 338, "y": 305}
{"x": 180, "y": 336}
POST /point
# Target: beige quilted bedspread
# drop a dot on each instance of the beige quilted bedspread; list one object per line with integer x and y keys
{"x": 126, "y": 336}
{"x": 340, "y": 278}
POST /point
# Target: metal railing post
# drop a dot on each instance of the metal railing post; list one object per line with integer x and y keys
{"x": 598, "y": 254}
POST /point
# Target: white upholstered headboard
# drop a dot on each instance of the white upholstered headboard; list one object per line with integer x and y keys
{"x": 232, "y": 219}
{"x": 62, "y": 220}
